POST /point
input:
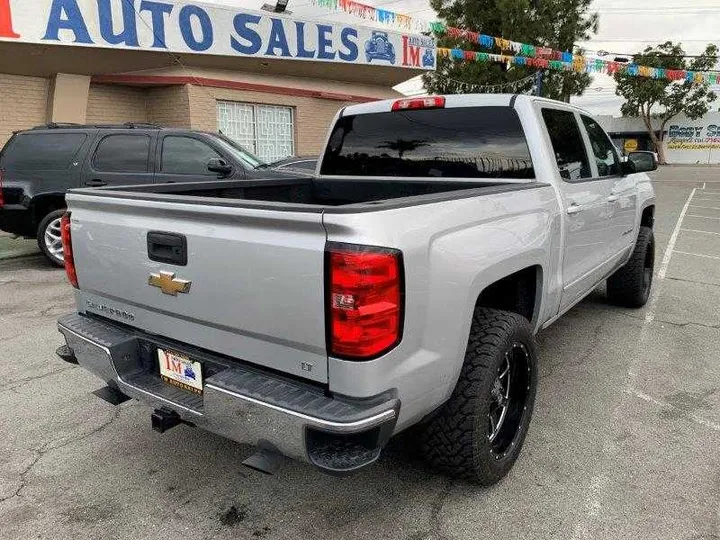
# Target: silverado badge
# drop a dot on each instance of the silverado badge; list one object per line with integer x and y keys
{"x": 168, "y": 284}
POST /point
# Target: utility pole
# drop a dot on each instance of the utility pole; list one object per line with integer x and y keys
{"x": 538, "y": 83}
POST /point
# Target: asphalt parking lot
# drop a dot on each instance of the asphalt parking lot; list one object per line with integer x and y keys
{"x": 624, "y": 442}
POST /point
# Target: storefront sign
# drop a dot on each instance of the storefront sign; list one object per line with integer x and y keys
{"x": 184, "y": 27}
{"x": 692, "y": 137}
{"x": 631, "y": 145}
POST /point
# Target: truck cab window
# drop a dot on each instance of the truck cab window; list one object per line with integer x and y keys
{"x": 603, "y": 149}
{"x": 567, "y": 143}
{"x": 460, "y": 142}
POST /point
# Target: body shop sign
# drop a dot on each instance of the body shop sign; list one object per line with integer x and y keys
{"x": 189, "y": 27}
{"x": 693, "y": 137}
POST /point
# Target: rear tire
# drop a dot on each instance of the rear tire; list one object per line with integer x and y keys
{"x": 48, "y": 237}
{"x": 462, "y": 439}
{"x": 630, "y": 285}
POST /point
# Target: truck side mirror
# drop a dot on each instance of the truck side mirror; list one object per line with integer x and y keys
{"x": 638, "y": 162}
{"x": 220, "y": 166}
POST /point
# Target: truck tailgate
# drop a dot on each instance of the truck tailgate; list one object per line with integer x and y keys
{"x": 256, "y": 277}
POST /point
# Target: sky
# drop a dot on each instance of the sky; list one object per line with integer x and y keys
{"x": 623, "y": 29}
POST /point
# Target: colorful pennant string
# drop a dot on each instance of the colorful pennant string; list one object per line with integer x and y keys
{"x": 579, "y": 65}
{"x": 461, "y": 86}
{"x": 521, "y": 53}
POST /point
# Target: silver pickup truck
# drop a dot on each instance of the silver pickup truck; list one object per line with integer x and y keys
{"x": 401, "y": 286}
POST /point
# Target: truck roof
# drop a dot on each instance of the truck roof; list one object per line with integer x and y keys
{"x": 456, "y": 100}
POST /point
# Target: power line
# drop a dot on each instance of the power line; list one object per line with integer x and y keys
{"x": 652, "y": 40}
{"x": 674, "y": 13}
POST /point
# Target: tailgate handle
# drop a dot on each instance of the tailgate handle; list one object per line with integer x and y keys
{"x": 167, "y": 247}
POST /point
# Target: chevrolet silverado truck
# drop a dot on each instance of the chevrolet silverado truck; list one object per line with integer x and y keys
{"x": 401, "y": 286}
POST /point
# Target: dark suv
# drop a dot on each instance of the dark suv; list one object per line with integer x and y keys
{"x": 39, "y": 165}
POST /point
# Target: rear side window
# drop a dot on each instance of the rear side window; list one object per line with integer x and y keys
{"x": 185, "y": 155}
{"x": 606, "y": 158}
{"x": 42, "y": 151}
{"x": 468, "y": 142}
{"x": 122, "y": 153}
{"x": 567, "y": 142}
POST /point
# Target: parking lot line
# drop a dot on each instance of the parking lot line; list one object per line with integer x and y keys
{"x": 650, "y": 316}
{"x": 705, "y": 207}
{"x": 703, "y": 217}
{"x": 697, "y": 255}
{"x": 666, "y": 405}
{"x": 699, "y": 231}
{"x": 708, "y": 200}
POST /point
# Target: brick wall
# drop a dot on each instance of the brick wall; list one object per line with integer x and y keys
{"x": 110, "y": 104}
{"x": 312, "y": 115}
{"x": 169, "y": 106}
{"x": 23, "y": 103}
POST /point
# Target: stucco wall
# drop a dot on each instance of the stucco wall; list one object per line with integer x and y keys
{"x": 169, "y": 106}
{"x": 23, "y": 103}
{"x": 111, "y": 104}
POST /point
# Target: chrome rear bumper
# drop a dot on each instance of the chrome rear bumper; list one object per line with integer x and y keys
{"x": 240, "y": 402}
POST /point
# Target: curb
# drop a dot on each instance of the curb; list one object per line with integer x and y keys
{"x": 17, "y": 255}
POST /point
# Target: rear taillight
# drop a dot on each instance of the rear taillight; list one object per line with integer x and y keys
{"x": 431, "y": 102}
{"x": 2, "y": 197}
{"x": 66, "y": 235}
{"x": 365, "y": 300}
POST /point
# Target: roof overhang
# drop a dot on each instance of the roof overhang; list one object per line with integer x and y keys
{"x": 45, "y": 61}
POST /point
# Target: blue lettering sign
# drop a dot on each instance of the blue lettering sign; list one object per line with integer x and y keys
{"x": 325, "y": 51}
{"x": 350, "y": 44}
{"x": 157, "y": 11}
{"x": 277, "y": 39}
{"x": 302, "y": 52}
{"x": 65, "y": 15}
{"x": 206, "y": 28}
{"x": 248, "y": 35}
{"x": 129, "y": 32}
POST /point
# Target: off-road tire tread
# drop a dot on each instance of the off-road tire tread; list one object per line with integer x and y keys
{"x": 625, "y": 286}
{"x": 447, "y": 442}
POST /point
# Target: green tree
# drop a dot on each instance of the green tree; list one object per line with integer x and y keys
{"x": 661, "y": 98}
{"x": 557, "y": 24}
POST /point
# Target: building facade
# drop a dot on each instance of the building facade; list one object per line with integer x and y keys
{"x": 272, "y": 83}
{"x": 685, "y": 141}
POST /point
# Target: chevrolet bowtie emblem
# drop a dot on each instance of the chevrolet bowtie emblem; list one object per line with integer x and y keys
{"x": 168, "y": 284}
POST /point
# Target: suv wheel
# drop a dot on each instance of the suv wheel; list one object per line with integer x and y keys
{"x": 478, "y": 433}
{"x": 49, "y": 237}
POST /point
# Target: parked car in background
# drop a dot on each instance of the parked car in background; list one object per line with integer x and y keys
{"x": 296, "y": 164}
{"x": 39, "y": 165}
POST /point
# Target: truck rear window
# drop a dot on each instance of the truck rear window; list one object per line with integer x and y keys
{"x": 468, "y": 142}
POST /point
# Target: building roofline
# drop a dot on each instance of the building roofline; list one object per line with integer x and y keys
{"x": 166, "y": 80}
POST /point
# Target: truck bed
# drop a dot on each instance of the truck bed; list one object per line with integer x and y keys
{"x": 312, "y": 194}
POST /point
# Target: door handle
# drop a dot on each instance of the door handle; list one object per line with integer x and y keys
{"x": 613, "y": 198}
{"x": 574, "y": 208}
{"x": 96, "y": 182}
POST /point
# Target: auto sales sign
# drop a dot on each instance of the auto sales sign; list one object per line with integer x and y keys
{"x": 190, "y": 27}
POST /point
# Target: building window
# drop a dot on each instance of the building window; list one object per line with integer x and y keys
{"x": 268, "y": 131}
